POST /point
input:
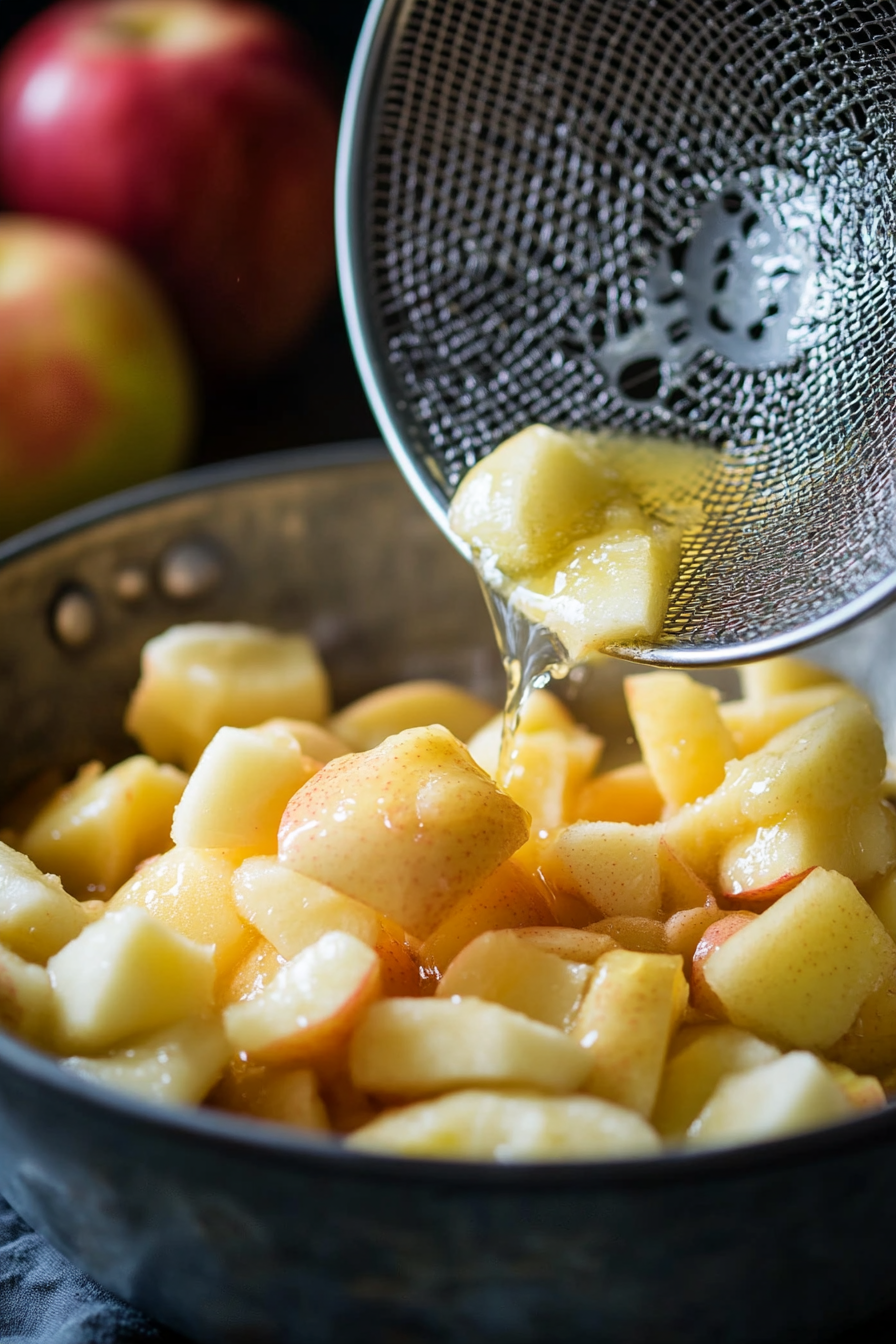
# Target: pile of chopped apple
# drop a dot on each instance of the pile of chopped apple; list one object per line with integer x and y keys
{"x": 341, "y": 923}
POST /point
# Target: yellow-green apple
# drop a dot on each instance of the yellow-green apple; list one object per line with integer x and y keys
{"x": 94, "y": 383}
{"x": 200, "y": 134}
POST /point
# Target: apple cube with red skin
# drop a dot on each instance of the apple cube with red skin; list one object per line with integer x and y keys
{"x": 509, "y": 1127}
{"x": 418, "y": 1047}
{"x": 503, "y": 968}
{"x": 126, "y": 974}
{"x": 202, "y": 136}
{"x": 308, "y": 1010}
{"x": 37, "y": 917}
{"x": 95, "y": 384}
{"x": 235, "y": 797}
{"x": 408, "y": 827}
{"x": 799, "y": 972}
{"x": 294, "y": 911}
{"x": 96, "y": 830}
{"x": 177, "y": 1065}
{"x": 197, "y": 678}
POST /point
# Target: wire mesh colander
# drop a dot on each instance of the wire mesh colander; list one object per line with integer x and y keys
{"x": 674, "y": 217}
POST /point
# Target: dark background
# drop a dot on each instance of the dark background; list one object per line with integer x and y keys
{"x": 313, "y": 395}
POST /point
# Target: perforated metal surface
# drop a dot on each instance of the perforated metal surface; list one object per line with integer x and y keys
{"x": 675, "y": 216}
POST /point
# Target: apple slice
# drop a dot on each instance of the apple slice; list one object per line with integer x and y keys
{"x": 236, "y": 795}
{"x": 195, "y": 679}
{"x": 179, "y": 1064}
{"x": 786, "y": 1096}
{"x": 628, "y": 793}
{"x": 416, "y": 1047}
{"x": 635, "y": 1002}
{"x": 753, "y": 722}
{"x": 26, "y": 999}
{"x": 410, "y": 704}
{"x": 505, "y": 969}
{"x": 312, "y": 739}
{"x": 508, "y": 1127}
{"x": 294, "y": 911}
{"x": 778, "y": 676}
{"x": 94, "y": 832}
{"x": 799, "y": 972}
{"x": 124, "y": 975}
{"x": 508, "y": 899}
{"x": 37, "y": 917}
{"x": 408, "y": 827}
{"x": 286, "y": 1096}
{"x": 610, "y": 864}
{"x": 758, "y": 899}
{"x": 700, "y": 1057}
{"x": 717, "y": 932}
{"x": 190, "y": 891}
{"x": 632, "y": 932}
{"x": 579, "y": 945}
{"x": 682, "y": 888}
{"x": 310, "y": 1007}
{"x": 869, "y": 1045}
{"x": 681, "y": 733}
{"x": 685, "y": 929}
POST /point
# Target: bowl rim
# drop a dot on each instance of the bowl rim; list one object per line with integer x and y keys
{"x": 322, "y": 1149}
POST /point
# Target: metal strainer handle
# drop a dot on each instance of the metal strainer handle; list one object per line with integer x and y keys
{"x": 673, "y": 218}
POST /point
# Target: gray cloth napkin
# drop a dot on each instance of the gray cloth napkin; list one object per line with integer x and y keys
{"x": 45, "y": 1300}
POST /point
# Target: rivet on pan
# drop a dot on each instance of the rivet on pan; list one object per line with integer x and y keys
{"x": 131, "y": 584}
{"x": 189, "y": 570}
{"x": 75, "y": 618}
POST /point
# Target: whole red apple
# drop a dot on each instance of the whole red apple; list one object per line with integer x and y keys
{"x": 95, "y": 388}
{"x": 198, "y": 133}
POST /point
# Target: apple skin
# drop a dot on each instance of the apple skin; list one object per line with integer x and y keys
{"x": 199, "y": 134}
{"x": 95, "y": 386}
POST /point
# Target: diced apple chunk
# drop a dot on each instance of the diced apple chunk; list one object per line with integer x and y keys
{"x": 505, "y": 969}
{"x": 862, "y": 1091}
{"x": 124, "y": 975}
{"x": 752, "y": 723}
{"x": 508, "y": 1127}
{"x": 312, "y": 738}
{"x": 582, "y": 945}
{"x": 869, "y": 1046}
{"x": 628, "y": 793}
{"x": 94, "y": 833}
{"x": 26, "y": 999}
{"x": 178, "y": 1065}
{"x": 195, "y": 679}
{"x": 190, "y": 891}
{"x": 286, "y": 1096}
{"x": 294, "y": 911}
{"x": 800, "y": 971}
{"x": 236, "y": 795}
{"x": 537, "y": 491}
{"x": 826, "y": 761}
{"x": 791, "y": 1094}
{"x": 310, "y": 1006}
{"x": 859, "y": 842}
{"x": 609, "y": 589}
{"x": 408, "y": 827}
{"x": 700, "y": 1058}
{"x": 610, "y": 864}
{"x": 546, "y": 773}
{"x": 410, "y": 704}
{"x": 681, "y": 734}
{"x": 252, "y": 973}
{"x": 37, "y": 917}
{"x": 634, "y": 1004}
{"x": 416, "y": 1047}
{"x": 779, "y": 676}
{"x": 633, "y": 932}
{"x": 542, "y": 712}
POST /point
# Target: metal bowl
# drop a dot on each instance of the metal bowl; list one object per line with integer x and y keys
{"x": 230, "y": 1230}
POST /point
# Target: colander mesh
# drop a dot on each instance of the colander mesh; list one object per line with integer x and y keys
{"x": 547, "y": 179}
